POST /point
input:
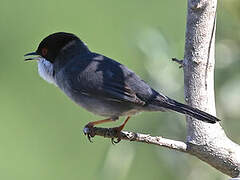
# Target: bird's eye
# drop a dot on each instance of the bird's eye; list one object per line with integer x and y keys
{"x": 44, "y": 51}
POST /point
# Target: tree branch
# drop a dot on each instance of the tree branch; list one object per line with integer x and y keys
{"x": 138, "y": 137}
{"x": 180, "y": 62}
{"x": 206, "y": 141}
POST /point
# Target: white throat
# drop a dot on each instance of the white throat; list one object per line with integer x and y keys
{"x": 45, "y": 70}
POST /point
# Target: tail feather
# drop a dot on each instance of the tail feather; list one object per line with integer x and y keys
{"x": 185, "y": 109}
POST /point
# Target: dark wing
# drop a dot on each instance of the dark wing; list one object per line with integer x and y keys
{"x": 104, "y": 78}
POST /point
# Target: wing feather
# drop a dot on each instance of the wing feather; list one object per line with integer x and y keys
{"x": 103, "y": 79}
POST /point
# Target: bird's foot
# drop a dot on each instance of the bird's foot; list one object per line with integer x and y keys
{"x": 88, "y": 131}
{"x": 118, "y": 132}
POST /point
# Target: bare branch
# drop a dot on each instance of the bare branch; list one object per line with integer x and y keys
{"x": 144, "y": 138}
{"x": 207, "y": 142}
{"x": 178, "y": 61}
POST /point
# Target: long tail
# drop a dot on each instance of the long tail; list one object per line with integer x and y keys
{"x": 185, "y": 109}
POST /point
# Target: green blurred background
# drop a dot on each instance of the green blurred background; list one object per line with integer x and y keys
{"x": 41, "y": 129}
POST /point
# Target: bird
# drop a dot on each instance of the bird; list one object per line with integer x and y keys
{"x": 100, "y": 84}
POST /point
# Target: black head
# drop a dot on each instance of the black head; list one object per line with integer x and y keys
{"x": 50, "y": 47}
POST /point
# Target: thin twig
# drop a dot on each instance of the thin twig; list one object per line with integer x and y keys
{"x": 144, "y": 138}
{"x": 178, "y": 61}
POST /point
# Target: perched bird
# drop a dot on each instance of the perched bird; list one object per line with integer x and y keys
{"x": 100, "y": 84}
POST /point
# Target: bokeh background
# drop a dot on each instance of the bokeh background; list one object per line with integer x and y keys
{"x": 41, "y": 129}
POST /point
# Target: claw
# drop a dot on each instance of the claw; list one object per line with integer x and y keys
{"x": 115, "y": 142}
{"x": 112, "y": 141}
{"x": 118, "y": 131}
{"x": 87, "y": 130}
{"x": 89, "y": 138}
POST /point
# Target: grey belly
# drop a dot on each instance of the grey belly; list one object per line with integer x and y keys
{"x": 103, "y": 107}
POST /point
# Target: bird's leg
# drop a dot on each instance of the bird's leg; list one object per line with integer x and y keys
{"x": 119, "y": 129}
{"x": 88, "y": 128}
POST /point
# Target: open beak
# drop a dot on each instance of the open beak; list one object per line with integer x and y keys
{"x": 32, "y": 58}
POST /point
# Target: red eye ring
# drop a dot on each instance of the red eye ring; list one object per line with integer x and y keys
{"x": 44, "y": 51}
